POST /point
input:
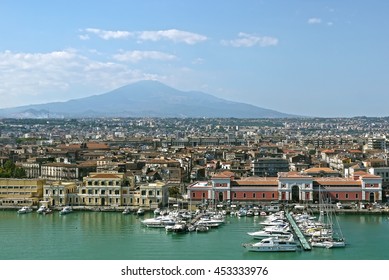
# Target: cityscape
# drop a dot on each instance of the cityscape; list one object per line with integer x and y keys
{"x": 111, "y": 163}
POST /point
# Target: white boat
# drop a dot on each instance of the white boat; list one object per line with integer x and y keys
{"x": 202, "y": 228}
{"x": 42, "y": 209}
{"x": 330, "y": 236}
{"x": 275, "y": 231}
{"x": 157, "y": 211}
{"x": 177, "y": 228}
{"x": 126, "y": 211}
{"x": 273, "y": 244}
{"x": 160, "y": 221}
{"x": 328, "y": 242}
{"x": 140, "y": 211}
{"x": 66, "y": 210}
{"x": 25, "y": 210}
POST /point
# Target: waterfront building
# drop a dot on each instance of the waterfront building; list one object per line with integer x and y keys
{"x": 287, "y": 187}
{"x": 20, "y": 192}
{"x": 60, "y": 193}
{"x": 151, "y": 195}
{"x": 104, "y": 189}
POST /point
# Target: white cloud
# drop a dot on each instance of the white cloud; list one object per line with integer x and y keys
{"x": 136, "y": 56}
{"x": 314, "y": 21}
{"x": 30, "y": 78}
{"x": 108, "y": 34}
{"x": 248, "y": 40}
{"x": 174, "y": 35}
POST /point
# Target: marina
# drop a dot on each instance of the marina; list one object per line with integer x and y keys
{"x": 87, "y": 235}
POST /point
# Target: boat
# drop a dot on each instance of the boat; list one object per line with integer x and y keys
{"x": 140, "y": 212}
{"x": 330, "y": 235}
{"x": 42, "y": 209}
{"x": 126, "y": 211}
{"x": 159, "y": 222}
{"x": 157, "y": 211}
{"x": 202, "y": 228}
{"x": 273, "y": 244}
{"x": 177, "y": 228}
{"x": 25, "y": 210}
{"x": 271, "y": 231}
{"x": 66, "y": 210}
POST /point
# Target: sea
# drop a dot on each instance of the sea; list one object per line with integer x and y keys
{"x": 114, "y": 236}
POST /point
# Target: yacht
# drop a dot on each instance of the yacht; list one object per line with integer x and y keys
{"x": 273, "y": 244}
{"x": 271, "y": 231}
{"x": 42, "y": 209}
{"x": 126, "y": 211}
{"x": 66, "y": 210}
{"x": 24, "y": 210}
{"x": 140, "y": 211}
{"x": 160, "y": 221}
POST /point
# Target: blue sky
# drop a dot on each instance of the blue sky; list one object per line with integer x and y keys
{"x": 304, "y": 57}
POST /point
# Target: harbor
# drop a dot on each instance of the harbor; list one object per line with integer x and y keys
{"x": 113, "y": 236}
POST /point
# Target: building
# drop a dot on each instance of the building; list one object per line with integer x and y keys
{"x": 151, "y": 195}
{"x": 60, "y": 193}
{"x": 104, "y": 189}
{"x": 20, "y": 192}
{"x": 264, "y": 167}
{"x": 287, "y": 187}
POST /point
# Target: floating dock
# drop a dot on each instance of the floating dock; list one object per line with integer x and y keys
{"x": 299, "y": 234}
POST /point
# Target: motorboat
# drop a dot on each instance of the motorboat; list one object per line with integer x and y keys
{"x": 25, "y": 210}
{"x": 140, "y": 211}
{"x": 271, "y": 231}
{"x": 160, "y": 221}
{"x": 66, "y": 210}
{"x": 42, "y": 209}
{"x": 202, "y": 228}
{"x": 177, "y": 228}
{"x": 273, "y": 244}
{"x": 327, "y": 242}
{"x": 157, "y": 211}
{"x": 126, "y": 211}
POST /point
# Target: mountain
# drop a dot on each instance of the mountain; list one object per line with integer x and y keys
{"x": 144, "y": 99}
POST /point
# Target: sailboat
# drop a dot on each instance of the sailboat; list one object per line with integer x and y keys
{"x": 330, "y": 236}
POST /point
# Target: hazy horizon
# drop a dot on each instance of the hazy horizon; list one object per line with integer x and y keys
{"x": 319, "y": 59}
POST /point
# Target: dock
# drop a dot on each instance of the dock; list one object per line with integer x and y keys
{"x": 303, "y": 241}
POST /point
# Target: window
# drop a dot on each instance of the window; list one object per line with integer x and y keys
{"x": 143, "y": 192}
{"x": 253, "y": 195}
{"x": 234, "y": 195}
{"x": 263, "y": 195}
{"x": 150, "y": 192}
{"x": 336, "y": 196}
{"x": 346, "y": 195}
{"x": 193, "y": 195}
{"x": 244, "y": 195}
{"x": 203, "y": 195}
{"x": 272, "y": 195}
{"x": 356, "y": 196}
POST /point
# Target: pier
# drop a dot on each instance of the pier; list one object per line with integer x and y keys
{"x": 299, "y": 234}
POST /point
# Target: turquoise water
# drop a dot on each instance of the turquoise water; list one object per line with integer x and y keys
{"x": 113, "y": 236}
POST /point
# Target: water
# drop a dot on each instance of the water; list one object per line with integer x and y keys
{"x": 113, "y": 236}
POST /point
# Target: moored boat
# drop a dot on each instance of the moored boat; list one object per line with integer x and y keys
{"x": 24, "y": 210}
{"x": 273, "y": 244}
{"x": 66, "y": 210}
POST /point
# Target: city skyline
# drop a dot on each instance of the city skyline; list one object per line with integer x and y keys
{"x": 322, "y": 58}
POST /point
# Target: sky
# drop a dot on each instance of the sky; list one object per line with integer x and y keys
{"x": 304, "y": 57}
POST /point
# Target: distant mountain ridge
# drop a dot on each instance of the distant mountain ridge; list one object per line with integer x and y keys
{"x": 145, "y": 99}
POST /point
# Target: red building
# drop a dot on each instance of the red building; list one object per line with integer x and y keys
{"x": 288, "y": 187}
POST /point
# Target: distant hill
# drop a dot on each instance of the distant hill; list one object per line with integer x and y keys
{"x": 144, "y": 99}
